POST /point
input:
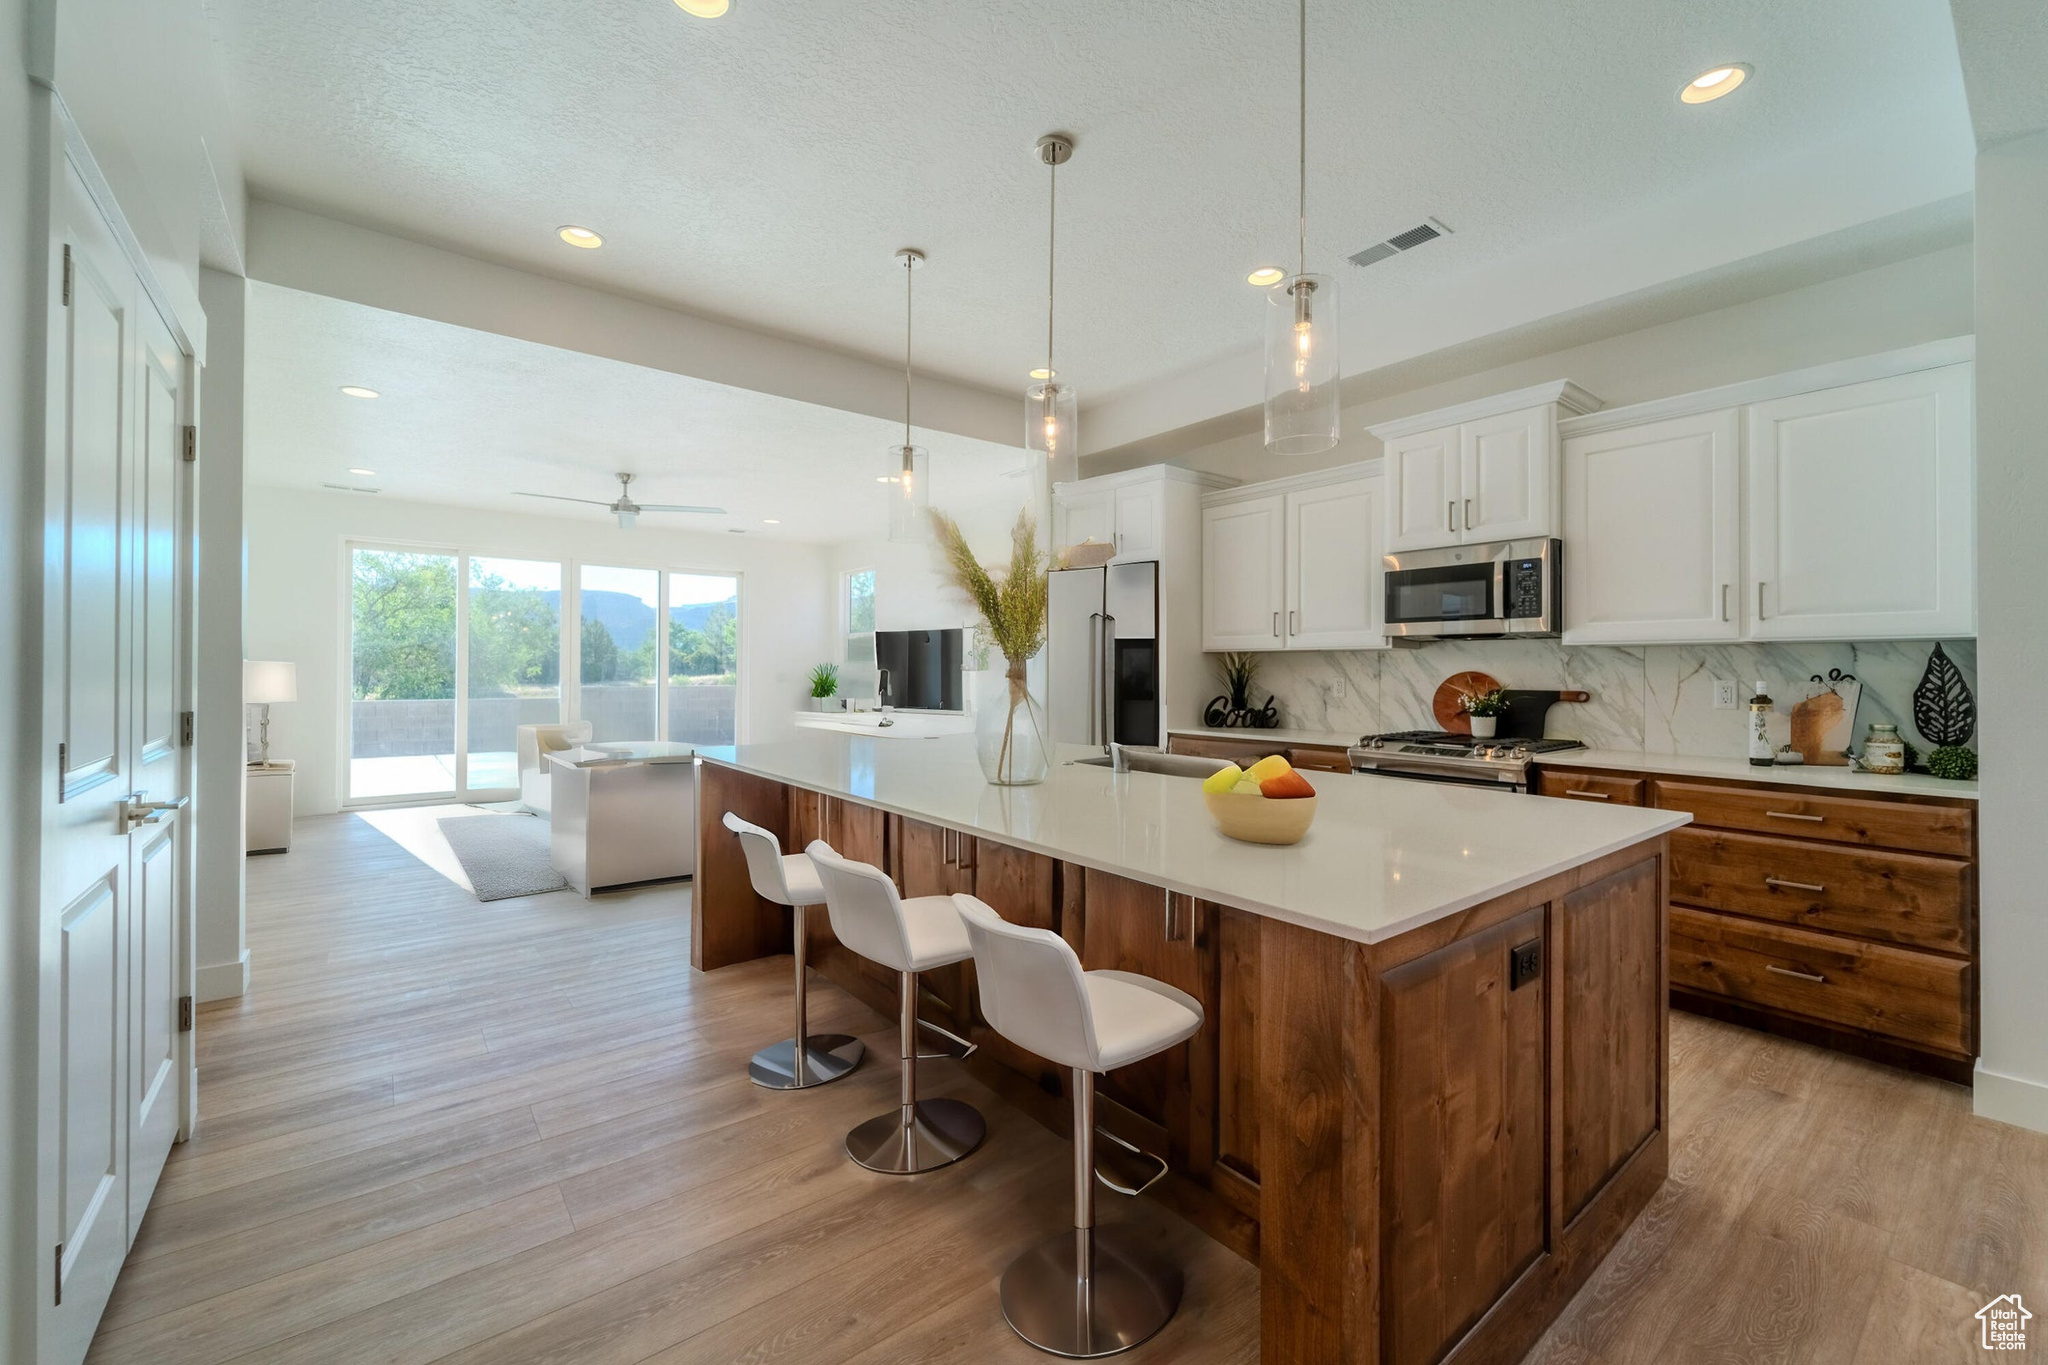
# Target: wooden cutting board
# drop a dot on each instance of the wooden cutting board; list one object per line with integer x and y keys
{"x": 1444, "y": 706}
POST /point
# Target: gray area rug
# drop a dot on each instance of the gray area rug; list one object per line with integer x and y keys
{"x": 502, "y": 855}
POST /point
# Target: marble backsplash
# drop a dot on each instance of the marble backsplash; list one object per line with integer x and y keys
{"x": 1655, "y": 699}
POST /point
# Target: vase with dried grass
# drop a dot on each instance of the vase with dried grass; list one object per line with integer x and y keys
{"x": 1009, "y": 720}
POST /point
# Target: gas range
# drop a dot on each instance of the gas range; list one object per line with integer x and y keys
{"x": 1439, "y": 756}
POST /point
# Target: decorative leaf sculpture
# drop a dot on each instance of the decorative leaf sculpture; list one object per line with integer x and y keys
{"x": 1944, "y": 712}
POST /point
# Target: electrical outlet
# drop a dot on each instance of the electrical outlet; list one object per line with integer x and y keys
{"x": 1724, "y": 695}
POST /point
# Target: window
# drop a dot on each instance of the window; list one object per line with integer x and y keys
{"x": 858, "y": 612}
{"x": 515, "y": 663}
{"x": 620, "y": 618}
{"x": 703, "y": 658}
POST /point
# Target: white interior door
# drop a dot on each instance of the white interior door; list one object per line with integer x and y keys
{"x": 114, "y": 656}
{"x": 1862, "y": 511}
{"x": 1243, "y": 574}
{"x": 1334, "y": 573}
{"x": 1652, "y": 532}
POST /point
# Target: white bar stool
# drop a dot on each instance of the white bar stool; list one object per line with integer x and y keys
{"x": 910, "y": 936}
{"x": 1094, "y": 1291}
{"x": 804, "y": 1059}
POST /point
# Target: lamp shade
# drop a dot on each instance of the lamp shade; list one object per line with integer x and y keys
{"x": 269, "y": 680}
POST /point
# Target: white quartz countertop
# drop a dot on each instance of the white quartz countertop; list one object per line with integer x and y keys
{"x": 1738, "y": 769}
{"x": 612, "y": 755}
{"x": 1385, "y": 855}
{"x": 1326, "y": 738}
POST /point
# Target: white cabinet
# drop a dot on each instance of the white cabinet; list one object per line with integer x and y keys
{"x": 1243, "y": 573}
{"x": 1084, "y": 515}
{"x": 1333, "y": 569}
{"x": 1295, "y": 563}
{"x": 1137, "y": 518}
{"x": 1862, "y": 521}
{"x": 1484, "y": 471}
{"x": 1652, "y": 532}
{"x": 1130, "y": 516}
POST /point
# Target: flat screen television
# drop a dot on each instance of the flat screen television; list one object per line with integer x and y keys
{"x": 920, "y": 669}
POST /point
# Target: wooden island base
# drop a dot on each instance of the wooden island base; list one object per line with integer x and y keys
{"x": 1427, "y": 1144}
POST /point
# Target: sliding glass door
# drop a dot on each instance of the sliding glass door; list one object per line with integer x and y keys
{"x": 450, "y": 653}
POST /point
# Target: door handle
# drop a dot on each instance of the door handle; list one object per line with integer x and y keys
{"x": 1095, "y": 676}
{"x": 1783, "y": 885}
{"x": 1590, "y": 796}
{"x": 1176, "y": 930}
{"x": 136, "y": 812}
{"x": 1759, "y": 600}
{"x": 1803, "y": 976}
{"x": 1794, "y": 815}
{"x": 1468, "y": 514}
{"x": 1724, "y": 601}
{"x": 945, "y": 846}
{"x": 1293, "y": 622}
{"x": 1451, "y": 515}
{"x": 1276, "y": 625}
{"x": 1107, "y": 680}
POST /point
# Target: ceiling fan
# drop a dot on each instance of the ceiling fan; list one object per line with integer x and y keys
{"x": 625, "y": 508}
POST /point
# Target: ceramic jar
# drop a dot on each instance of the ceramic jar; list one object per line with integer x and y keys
{"x": 1883, "y": 751}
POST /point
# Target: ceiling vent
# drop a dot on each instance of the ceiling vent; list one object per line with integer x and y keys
{"x": 1428, "y": 230}
{"x": 350, "y": 488}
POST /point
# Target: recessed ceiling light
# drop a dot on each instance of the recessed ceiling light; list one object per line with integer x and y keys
{"x": 1265, "y": 276}
{"x": 580, "y": 236}
{"x": 364, "y": 473}
{"x": 1043, "y": 373}
{"x": 358, "y": 391}
{"x": 704, "y": 9}
{"x": 770, "y": 521}
{"x": 885, "y": 478}
{"x": 1711, "y": 85}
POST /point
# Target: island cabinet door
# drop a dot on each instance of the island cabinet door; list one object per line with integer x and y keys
{"x": 857, "y": 832}
{"x": 1463, "y": 1164}
{"x": 934, "y": 861}
{"x": 1023, "y": 888}
{"x": 1133, "y": 927}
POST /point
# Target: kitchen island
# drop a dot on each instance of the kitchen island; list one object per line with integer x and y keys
{"x": 1429, "y": 1093}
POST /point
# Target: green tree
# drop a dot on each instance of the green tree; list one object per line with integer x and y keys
{"x": 514, "y": 638}
{"x": 403, "y": 620}
{"x": 711, "y": 652}
{"x": 600, "y": 653}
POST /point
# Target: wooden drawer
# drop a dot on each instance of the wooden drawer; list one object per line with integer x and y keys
{"x": 1916, "y": 997}
{"x": 1249, "y": 750}
{"x": 1895, "y": 897}
{"x": 1316, "y": 758}
{"x": 1607, "y": 789}
{"x": 1920, "y": 827}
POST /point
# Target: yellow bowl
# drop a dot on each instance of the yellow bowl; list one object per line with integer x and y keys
{"x": 1262, "y": 819}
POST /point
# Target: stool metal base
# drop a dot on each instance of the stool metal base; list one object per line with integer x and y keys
{"x": 827, "y": 1058}
{"x": 940, "y": 1133}
{"x": 1127, "y": 1295}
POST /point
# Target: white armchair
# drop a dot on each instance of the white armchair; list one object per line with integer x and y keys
{"x": 535, "y": 743}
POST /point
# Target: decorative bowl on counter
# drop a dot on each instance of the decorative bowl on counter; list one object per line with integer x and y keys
{"x": 1269, "y": 803}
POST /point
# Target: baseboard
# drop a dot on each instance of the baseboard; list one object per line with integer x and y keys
{"x": 223, "y": 980}
{"x": 2010, "y": 1099}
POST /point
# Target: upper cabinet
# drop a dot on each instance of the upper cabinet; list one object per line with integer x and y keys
{"x": 1652, "y": 534}
{"x": 1295, "y": 563}
{"x": 1862, "y": 510}
{"x": 1829, "y": 504}
{"x": 1483, "y": 471}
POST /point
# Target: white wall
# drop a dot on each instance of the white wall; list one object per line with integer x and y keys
{"x": 1923, "y": 298}
{"x": 296, "y": 603}
{"x": 2012, "y": 658}
{"x": 219, "y": 921}
{"x": 21, "y": 233}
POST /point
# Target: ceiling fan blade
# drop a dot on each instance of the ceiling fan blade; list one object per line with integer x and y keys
{"x": 672, "y": 507}
{"x": 557, "y": 497}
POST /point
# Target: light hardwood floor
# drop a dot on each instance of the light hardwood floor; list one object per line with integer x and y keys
{"x": 442, "y": 1130}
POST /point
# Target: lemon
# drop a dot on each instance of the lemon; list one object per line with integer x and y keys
{"x": 1223, "y": 779}
{"x": 1271, "y": 766}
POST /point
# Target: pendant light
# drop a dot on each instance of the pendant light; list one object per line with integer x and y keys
{"x": 907, "y": 472}
{"x": 1302, "y": 365}
{"x": 1051, "y": 420}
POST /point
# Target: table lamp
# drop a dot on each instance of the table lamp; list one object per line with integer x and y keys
{"x": 265, "y": 681}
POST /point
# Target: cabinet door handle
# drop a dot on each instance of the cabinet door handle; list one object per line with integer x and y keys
{"x": 1293, "y": 622}
{"x": 1590, "y": 796}
{"x": 1784, "y": 885}
{"x": 1795, "y": 815}
{"x": 1276, "y": 625}
{"x": 1175, "y": 929}
{"x": 1451, "y": 515}
{"x": 1803, "y": 976}
{"x": 1759, "y": 601}
{"x": 1468, "y": 514}
{"x": 1724, "y": 601}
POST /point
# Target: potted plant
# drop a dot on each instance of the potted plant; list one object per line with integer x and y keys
{"x": 1009, "y": 719}
{"x": 824, "y": 686}
{"x": 1484, "y": 708}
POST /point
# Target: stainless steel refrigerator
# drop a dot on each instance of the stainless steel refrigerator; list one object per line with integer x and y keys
{"x": 1102, "y": 655}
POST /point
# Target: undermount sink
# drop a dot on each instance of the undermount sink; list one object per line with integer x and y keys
{"x": 1151, "y": 761}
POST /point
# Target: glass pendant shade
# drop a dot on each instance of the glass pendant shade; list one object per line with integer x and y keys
{"x": 1052, "y": 434}
{"x": 907, "y": 475}
{"x": 1302, "y": 370}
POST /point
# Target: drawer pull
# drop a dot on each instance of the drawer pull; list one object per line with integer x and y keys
{"x": 1787, "y": 971}
{"x": 1794, "y": 815}
{"x": 1784, "y": 885}
{"x": 1590, "y": 796}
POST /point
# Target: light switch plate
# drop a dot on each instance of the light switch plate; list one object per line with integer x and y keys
{"x": 1724, "y": 695}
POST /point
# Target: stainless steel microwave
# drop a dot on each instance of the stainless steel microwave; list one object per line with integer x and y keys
{"x": 1476, "y": 592}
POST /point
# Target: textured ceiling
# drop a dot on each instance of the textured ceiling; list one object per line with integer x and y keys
{"x": 466, "y": 417}
{"x": 763, "y": 167}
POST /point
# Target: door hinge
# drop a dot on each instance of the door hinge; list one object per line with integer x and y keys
{"x": 60, "y": 772}
{"x": 184, "y": 1014}
{"x": 191, "y": 444}
{"x": 185, "y": 729}
{"x": 58, "y": 1277}
{"x": 67, "y": 290}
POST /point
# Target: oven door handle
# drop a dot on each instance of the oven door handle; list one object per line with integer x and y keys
{"x": 1409, "y": 765}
